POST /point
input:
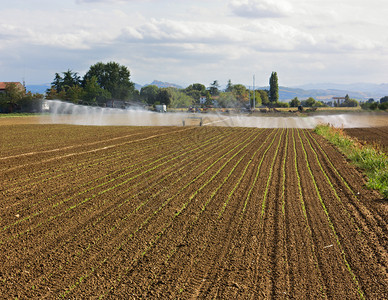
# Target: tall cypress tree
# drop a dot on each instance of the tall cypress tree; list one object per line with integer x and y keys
{"x": 273, "y": 88}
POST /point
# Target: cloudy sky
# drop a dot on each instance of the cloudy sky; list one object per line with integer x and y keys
{"x": 187, "y": 41}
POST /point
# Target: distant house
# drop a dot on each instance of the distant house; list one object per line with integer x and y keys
{"x": 202, "y": 100}
{"x": 3, "y": 86}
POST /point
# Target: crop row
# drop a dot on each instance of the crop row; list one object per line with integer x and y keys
{"x": 177, "y": 159}
{"x": 204, "y": 212}
{"x": 124, "y": 158}
{"x": 177, "y": 212}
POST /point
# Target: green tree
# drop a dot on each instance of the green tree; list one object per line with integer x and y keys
{"x": 57, "y": 84}
{"x": 295, "y": 102}
{"x": 281, "y": 104}
{"x": 273, "y": 87}
{"x": 383, "y": 106}
{"x": 113, "y": 78}
{"x": 70, "y": 79}
{"x": 264, "y": 97}
{"x": 195, "y": 91}
{"x": 74, "y": 93}
{"x": 164, "y": 96}
{"x": 209, "y": 99}
{"x": 93, "y": 93}
{"x": 369, "y": 105}
{"x": 149, "y": 94}
{"x": 309, "y": 102}
{"x": 13, "y": 94}
{"x": 319, "y": 104}
{"x": 229, "y": 86}
{"x": 349, "y": 102}
{"x": 31, "y": 102}
{"x": 241, "y": 94}
{"x": 67, "y": 87}
{"x": 227, "y": 99}
{"x": 258, "y": 100}
{"x": 180, "y": 99}
{"x": 384, "y": 99}
{"x": 53, "y": 94}
{"x": 214, "y": 88}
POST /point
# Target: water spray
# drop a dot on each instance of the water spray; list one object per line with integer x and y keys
{"x": 68, "y": 113}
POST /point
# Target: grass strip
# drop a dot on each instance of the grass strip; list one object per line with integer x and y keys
{"x": 366, "y": 157}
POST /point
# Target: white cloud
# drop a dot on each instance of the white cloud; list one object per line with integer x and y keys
{"x": 190, "y": 39}
{"x": 267, "y": 36}
{"x": 102, "y": 1}
{"x": 261, "y": 8}
{"x": 170, "y": 31}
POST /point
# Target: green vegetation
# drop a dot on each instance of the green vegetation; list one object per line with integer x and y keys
{"x": 371, "y": 104}
{"x": 273, "y": 87}
{"x": 109, "y": 84}
{"x": 374, "y": 162}
{"x": 101, "y": 83}
{"x": 295, "y": 102}
{"x": 105, "y": 82}
{"x": 16, "y": 115}
{"x": 310, "y": 102}
{"x": 15, "y": 99}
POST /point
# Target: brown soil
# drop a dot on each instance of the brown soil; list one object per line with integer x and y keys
{"x": 195, "y": 212}
{"x": 376, "y": 136}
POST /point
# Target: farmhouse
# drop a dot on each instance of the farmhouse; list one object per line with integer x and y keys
{"x": 202, "y": 100}
{"x": 3, "y": 86}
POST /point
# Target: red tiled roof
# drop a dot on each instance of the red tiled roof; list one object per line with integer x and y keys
{"x": 4, "y": 84}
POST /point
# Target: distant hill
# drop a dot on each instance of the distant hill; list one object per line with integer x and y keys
{"x": 360, "y": 91}
{"x": 138, "y": 86}
{"x": 359, "y": 87}
{"x": 287, "y": 93}
{"x": 161, "y": 84}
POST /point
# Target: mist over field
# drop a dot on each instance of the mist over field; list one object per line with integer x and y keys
{"x": 68, "y": 113}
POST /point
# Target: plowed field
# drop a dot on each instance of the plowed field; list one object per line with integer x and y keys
{"x": 185, "y": 212}
{"x": 377, "y": 136}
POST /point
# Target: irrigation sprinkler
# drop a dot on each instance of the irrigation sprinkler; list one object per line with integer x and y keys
{"x": 192, "y": 118}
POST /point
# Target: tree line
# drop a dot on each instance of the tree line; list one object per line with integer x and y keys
{"x": 105, "y": 82}
{"x": 102, "y": 82}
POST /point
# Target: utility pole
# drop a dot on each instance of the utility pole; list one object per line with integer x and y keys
{"x": 254, "y": 93}
{"x": 249, "y": 89}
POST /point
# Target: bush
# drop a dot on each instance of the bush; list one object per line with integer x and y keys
{"x": 295, "y": 102}
{"x": 281, "y": 104}
{"x": 371, "y": 106}
{"x": 383, "y": 106}
{"x": 384, "y": 99}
